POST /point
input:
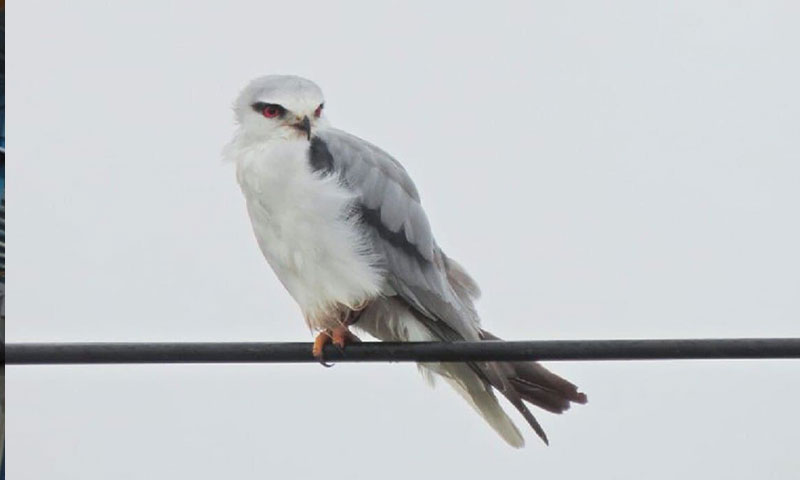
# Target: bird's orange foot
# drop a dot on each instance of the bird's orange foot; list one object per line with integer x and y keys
{"x": 322, "y": 339}
{"x": 342, "y": 336}
{"x": 339, "y": 336}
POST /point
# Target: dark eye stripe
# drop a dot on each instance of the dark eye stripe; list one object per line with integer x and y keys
{"x": 260, "y": 106}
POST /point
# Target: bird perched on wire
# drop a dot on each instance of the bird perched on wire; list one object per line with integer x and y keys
{"x": 341, "y": 224}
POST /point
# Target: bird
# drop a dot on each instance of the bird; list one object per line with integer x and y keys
{"x": 341, "y": 224}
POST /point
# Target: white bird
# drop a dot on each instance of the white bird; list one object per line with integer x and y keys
{"x": 341, "y": 224}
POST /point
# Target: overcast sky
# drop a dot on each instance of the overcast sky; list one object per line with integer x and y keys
{"x": 604, "y": 170}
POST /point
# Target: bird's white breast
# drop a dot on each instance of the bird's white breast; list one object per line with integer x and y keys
{"x": 301, "y": 222}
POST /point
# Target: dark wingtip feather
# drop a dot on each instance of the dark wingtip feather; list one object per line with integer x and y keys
{"x": 529, "y": 418}
{"x": 530, "y": 382}
{"x": 542, "y": 398}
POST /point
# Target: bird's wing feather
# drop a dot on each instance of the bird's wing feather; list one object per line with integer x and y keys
{"x": 437, "y": 289}
{"x": 398, "y": 229}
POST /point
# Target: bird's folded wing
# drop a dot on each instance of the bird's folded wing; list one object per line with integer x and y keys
{"x": 397, "y": 228}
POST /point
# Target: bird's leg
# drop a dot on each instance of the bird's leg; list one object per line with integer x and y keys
{"x": 340, "y": 335}
{"x": 355, "y": 313}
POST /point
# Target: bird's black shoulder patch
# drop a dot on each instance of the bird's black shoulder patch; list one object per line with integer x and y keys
{"x": 319, "y": 156}
{"x": 372, "y": 217}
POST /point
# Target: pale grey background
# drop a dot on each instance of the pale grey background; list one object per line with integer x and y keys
{"x": 604, "y": 169}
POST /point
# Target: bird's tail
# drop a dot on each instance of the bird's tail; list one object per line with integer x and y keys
{"x": 392, "y": 319}
{"x": 480, "y": 396}
{"x": 530, "y": 382}
{"x": 519, "y": 382}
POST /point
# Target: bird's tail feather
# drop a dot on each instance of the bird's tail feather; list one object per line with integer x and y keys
{"x": 391, "y": 319}
{"x": 519, "y": 382}
{"x": 480, "y": 396}
{"x": 530, "y": 382}
{"x": 540, "y": 386}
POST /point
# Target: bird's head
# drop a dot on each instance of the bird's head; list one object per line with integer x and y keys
{"x": 280, "y": 106}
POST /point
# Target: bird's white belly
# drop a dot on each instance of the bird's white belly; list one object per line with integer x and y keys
{"x": 301, "y": 222}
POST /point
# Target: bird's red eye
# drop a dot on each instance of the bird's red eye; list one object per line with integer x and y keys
{"x": 318, "y": 111}
{"x": 271, "y": 111}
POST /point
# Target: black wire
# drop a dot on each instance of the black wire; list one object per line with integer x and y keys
{"x": 93, "y": 353}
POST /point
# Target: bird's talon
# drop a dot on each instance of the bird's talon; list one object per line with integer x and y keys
{"x": 325, "y": 364}
{"x": 338, "y": 336}
{"x": 322, "y": 339}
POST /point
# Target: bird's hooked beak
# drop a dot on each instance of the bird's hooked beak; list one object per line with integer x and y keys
{"x": 304, "y": 125}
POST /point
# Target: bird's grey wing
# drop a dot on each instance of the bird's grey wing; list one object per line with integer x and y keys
{"x": 398, "y": 229}
{"x": 439, "y": 291}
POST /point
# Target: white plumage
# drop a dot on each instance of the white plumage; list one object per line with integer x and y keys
{"x": 300, "y": 221}
{"x": 341, "y": 224}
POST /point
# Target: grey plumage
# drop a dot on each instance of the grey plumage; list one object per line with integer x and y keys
{"x": 413, "y": 262}
{"x": 436, "y": 290}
